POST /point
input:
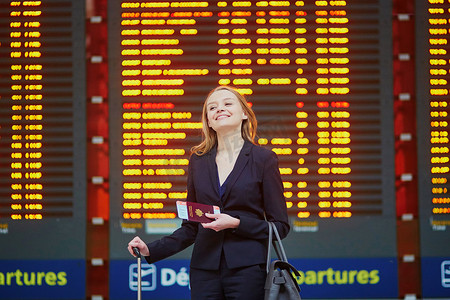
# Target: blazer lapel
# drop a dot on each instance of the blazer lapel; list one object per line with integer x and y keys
{"x": 212, "y": 172}
{"x": 239, "y": 166}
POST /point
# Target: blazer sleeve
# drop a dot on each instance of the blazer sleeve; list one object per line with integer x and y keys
{"x": 181, "y": 238}
{"x": 274, "y": 204}
{"x": 169, "y": 245}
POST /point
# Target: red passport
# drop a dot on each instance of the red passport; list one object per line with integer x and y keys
{"x": 194, "y": 211}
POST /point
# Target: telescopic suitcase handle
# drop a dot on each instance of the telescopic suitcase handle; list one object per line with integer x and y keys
{"x": 138, "y": 255}
{"x": 136, "y": 251}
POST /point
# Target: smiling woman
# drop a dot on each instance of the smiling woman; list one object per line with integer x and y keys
{"x": 248, "y": 126}
{"x": 227, "y": 170}
{"x": 225, "y": 114}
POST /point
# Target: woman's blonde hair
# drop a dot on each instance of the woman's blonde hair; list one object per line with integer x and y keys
{"x": 209, "y": 136}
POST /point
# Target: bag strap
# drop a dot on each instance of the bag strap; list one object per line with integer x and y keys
{"x": 276, "y": 244}
{"x": 280, "y": 248}
{"x": 269, "y": 247}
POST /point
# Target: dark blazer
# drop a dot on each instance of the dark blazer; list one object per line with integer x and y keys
{"x": 253, "y": 189}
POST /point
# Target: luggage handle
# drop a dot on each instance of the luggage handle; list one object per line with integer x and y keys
{"x": 137, "y": 252}
{"x": 138, "y": 255}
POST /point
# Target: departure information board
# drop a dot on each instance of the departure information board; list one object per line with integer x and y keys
{"x": 433, "y": 136}
{"x": 318, "y": 76}
{"x": 433, "y": 144}
{"x": 42, "y": 130}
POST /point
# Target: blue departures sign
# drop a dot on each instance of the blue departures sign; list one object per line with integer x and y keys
{"x": 42, "y": 279}
{"x": 436, "y": 277}
{"x": 368, "y": 278}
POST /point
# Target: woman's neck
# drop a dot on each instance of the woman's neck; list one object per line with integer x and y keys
{"x": 229, "y": 143}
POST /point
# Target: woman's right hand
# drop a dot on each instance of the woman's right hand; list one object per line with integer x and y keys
{"x": 138, "y": 243}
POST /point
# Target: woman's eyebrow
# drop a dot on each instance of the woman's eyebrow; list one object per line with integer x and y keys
{"x": 215, "y": 101}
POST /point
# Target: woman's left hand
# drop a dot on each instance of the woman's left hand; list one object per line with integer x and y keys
{"x": 221, "y": 222}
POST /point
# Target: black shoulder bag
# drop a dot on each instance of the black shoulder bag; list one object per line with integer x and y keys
{"x": 280, "y": 282}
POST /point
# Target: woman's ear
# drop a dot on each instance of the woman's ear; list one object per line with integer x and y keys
{"x": 244, "y": 116}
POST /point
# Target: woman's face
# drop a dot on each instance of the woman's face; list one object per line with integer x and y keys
{"x": 224, "y": 111}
